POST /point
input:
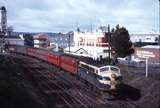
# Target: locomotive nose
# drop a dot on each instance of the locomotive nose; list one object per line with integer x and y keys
{"x": 113, "y": 76}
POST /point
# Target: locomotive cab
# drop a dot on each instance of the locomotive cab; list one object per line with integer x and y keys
{"x": 109, "y": 77}
{"x": 104, "y": 78}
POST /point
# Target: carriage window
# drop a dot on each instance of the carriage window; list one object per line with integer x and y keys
{"x": 104, "y": 69}
{"x": 114, "y": 69}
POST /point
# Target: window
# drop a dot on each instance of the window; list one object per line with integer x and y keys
{"x": 114, "y": 69}
{"x": 92, "y": 44}
{"x": 104, "y": 69}
{"x": 148, "y": 38}
{"x": 103, "y": 78}
{"x": 105, "y": 51}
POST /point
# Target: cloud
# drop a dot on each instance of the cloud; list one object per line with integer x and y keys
{"x": 64, "y": 15}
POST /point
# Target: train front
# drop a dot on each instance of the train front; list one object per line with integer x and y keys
{"x": 109, "y": 77}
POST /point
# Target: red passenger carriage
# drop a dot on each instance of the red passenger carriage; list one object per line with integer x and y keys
{"x": 69, "y": 64}
{"x": 38, "y": 53}
{"x": 54, "y": 58}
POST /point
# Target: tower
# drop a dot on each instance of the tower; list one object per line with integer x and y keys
{"x": 3, "y": 19}
{"x": 3, "y": 28}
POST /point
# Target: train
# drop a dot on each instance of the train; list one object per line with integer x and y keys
{"x": 104, "y": 78}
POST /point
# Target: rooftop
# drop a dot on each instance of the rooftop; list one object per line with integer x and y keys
{"x": 152, "y": 46}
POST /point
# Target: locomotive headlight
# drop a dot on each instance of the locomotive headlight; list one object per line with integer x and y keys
{"x": 113, "y": 75}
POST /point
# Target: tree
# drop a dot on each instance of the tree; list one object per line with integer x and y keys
{"x": 120, "y": 42}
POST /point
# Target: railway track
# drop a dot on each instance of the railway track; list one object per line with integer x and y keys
{"x": 59, "y": 86}
{"x": 62, "y": 90}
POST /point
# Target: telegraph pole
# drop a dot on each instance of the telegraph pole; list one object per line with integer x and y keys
{"x": 69, "y": 42}
{"x": 159, "y": 32}
{"x": 109, "y": 41}
{"x": 159, "y": 17}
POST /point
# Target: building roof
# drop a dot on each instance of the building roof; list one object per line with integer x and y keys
{"x": 152, "y": 46}
{"x": 40, "y": 36}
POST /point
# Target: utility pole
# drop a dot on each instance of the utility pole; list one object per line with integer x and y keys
{"x": 159, "y": 32}
{"x": 91, "y": 28}
{"x": 109, "y": 46}
{"x": 159, "y": 17}
{"x": 69, "y": 41}
{"x": 147, "y": 67}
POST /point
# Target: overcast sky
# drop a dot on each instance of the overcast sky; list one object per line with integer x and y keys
{"x": 65, "y": 15}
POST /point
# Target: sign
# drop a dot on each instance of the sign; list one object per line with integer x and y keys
{"x": 145, "y": 54}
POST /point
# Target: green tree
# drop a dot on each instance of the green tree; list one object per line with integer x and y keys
{"x": 120, "y": 42}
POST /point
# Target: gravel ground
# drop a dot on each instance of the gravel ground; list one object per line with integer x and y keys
{"x": 149, "y": 87}
{"x": 15, "y": 90}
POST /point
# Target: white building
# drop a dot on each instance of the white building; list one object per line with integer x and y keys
{"x": 144, "y": 37}
{"x": 15, "y": 41}
{"x": 19, "y": 40}
{"x": 89, "y": 44}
